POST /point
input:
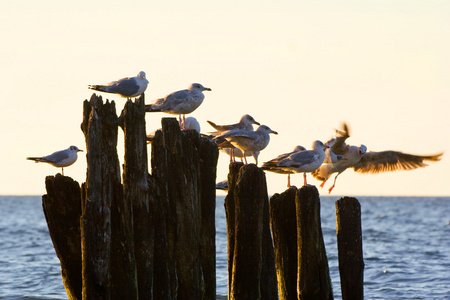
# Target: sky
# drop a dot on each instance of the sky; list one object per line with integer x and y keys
{"x": 300, "y": 67}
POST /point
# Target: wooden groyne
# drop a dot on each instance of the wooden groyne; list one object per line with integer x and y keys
{"x": 148, "y": 236}
{"x": 151, "y": 235}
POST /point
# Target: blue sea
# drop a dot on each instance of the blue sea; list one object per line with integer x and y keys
{"x": 406, "y": 242}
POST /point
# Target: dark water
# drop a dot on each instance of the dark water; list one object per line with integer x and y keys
{"x": 406, "y": 245}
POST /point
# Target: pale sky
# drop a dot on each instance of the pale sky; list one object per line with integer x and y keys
{"x": 300, "y": 67}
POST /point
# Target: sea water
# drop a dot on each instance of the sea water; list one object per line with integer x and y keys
{"x": 406, "y": 248}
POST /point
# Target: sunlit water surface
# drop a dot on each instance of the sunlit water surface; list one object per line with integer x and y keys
{"x": 406, "y": 245}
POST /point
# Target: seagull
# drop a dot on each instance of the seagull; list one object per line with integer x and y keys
{"x": 59, "y": 159}
{"x": 248, "y": 140}
{"x": 246, "y": 122}
{"x": 368, "y": 162}
{"x": 127, "y": 87}
{"x": 305, "y": 161}
{"x": 181, "y": 102}
{"x": 283, "y": 156}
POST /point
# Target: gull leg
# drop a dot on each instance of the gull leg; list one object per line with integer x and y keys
{"x": 184, "y": 122}
{"x": 245, "y": 158}
{"x": 334, "y": 183}
{"x": 304, "y": 179}
{"x": 323, "y": 183}
{"x": 289, "y": 180}
{"x": 62, "y": 170}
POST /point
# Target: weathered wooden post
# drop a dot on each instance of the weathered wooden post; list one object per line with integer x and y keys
{"x": 249, "y": 279}
{"x": 106, "y": 229}
{"x": 152, "y": 237}
{"x": 176, "y": 163}
{"x": 136, "y": 192}
{"x": 62, "y": 210}
{"x": 313, "y": 279}
{"x": 349, "y": 238}
{"x": 209, "y": 154}
{"x": 284, "y": 231}
{"x": 230, "y": 213}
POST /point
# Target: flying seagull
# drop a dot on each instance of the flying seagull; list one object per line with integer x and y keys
{"x": 181, "y": 102}
{"x": 304, "y": 161}
{"x": 368, "y": 162}
{"x": 59, "y": 159}
{"x": 127, "y": 87}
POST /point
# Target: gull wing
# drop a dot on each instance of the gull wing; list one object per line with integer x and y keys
{"x": 387, "y": 161}
{"x": 339, "y": 146}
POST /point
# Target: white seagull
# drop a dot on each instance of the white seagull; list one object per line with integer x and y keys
{"x": 59, "y": 159}
{"x": 281, "y": 157}
{"x": 248, "y": 140}
{"x": 305, "y": 161}
{"x": 246, "y": 122}
{"x": 127, "y": 87}
{"x": 181, "y": 102}
{"x": 368, "y": 162}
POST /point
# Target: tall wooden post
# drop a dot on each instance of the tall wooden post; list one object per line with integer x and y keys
{"x": 252, "y": 271}
{"x": 284, "y": 230}
{"x": 62, "y": 210}
{"x": 313, "y": 280}
{"x": 349, "y": 238}
{"x": 136, "y": 192}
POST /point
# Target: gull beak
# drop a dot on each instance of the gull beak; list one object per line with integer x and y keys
{"x": 274, "y": 132}
{"x": 80, "y": 150}
{"x": 207, "y": 89}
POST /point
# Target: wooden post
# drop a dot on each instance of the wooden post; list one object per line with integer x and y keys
{"x": 253, "y": 267}
{"x": 107, "y": 229}
{"x": 153, "y": 237}
{"x": 62, "y": 210}
{"x": 284, "y": 230}
{"x": 230, "y": 207}
{"x": 313, "y": 279}
{"x": 136, "y": 193}
{"x": 176, "y": 163}
{"x": 209, "y": 154}
{"x": 349, "y": 238}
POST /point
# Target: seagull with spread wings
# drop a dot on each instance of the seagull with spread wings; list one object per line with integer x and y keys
{"x": 367, "y": 162}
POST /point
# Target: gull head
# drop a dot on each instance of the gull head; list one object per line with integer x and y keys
{"x": 198, "y": 87}
{"x": 75, "y": 149}
{"x": 247, "y": 119}
{"x": 318, "y": 145}
{"x": 362, "y": 150}
{"x": 266, "y": 129}
{"x": 141, "y": 75}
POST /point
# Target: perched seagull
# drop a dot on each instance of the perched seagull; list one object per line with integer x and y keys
{"x": 305, "y": 161}
{"x": 181, "y": 102}
{"x": 246, "y": 122}
{"x": 127, "y": 87}
{"x": 281, "y": 157}
{"x": 368, "y": 162}
{"x": 248, "y": 140}
{"x": 59, "y": 159}
{"x": 191, "y": 124}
